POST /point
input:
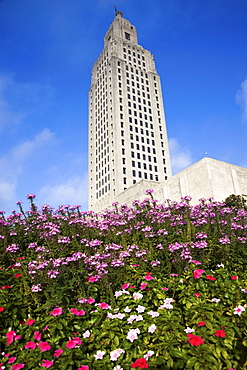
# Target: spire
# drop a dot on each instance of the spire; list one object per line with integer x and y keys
{"x": 118, "y": 12}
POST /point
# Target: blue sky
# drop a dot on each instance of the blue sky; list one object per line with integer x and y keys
{"x": 46, "y": 55}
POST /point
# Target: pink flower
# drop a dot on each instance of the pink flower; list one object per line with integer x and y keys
{"x": 10, "y": 337}
{"x": 11, "y": 360}
{"x": 92, "y": 279}
{"x": 57, "y": 311}
{"x": 37, "y": 335}
{"x": 103, "y": 305}
{"x": 210, "y": 277}
{"x": 143, "y": 286}
{"x": 30, "y": 345}
{"x": 73, "y": 343}
{"x": 76, "y": 312}
{"x": 30, "y": 322}
{"x": 234, "y": 277}
{"x": 197, "y": 273}
{"x": 148, "y": 277}
{"x": 90, "y": 300}
{"x": 2, "y": 309}
{"x": 44, "y": 346}
{"x": 197, "y": 295}
{"x": 165, "y": 288}
{"x": 83, "y": 367}
{"x": 220, "y": 333}
{"x": 125, "y": 286}
{"x": 58, "y": 352}
{"x": 17, "y": 366}
{"x": 47, "y": 363}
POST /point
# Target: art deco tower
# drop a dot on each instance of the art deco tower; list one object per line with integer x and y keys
{"x": 127, "y": 129}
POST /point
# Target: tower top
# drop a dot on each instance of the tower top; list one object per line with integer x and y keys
{"x": 118, "y": 12}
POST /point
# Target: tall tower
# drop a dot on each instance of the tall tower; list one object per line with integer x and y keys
{"x": 127, "y": 128}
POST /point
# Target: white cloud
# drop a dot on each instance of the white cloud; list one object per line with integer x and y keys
{"x": 180, "y": 156}
{"x": 12, "y": 163}
{"x": 241, "y": 98}
{"x": 71, "y": 191}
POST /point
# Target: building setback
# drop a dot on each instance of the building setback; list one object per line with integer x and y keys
{"x": 127, "y": 129}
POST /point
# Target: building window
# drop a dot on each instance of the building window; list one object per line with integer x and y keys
{"x": 124, "y": 170}
{"x": 133, "y": 173}
{"x": 125, "y": 180}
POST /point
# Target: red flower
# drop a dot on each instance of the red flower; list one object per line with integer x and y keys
{"x": 210, "y": 277}
{"x": 17, "y": 275}
{"x": 195, "y": 340}
{"x": 234, "y": 277}
{"x": 197, "y": 295}
{"x": 202, "y": 323}
{"x": 220, "y": 333}
{"x": 2, "y": 309}
{"x": 140, "y": 362}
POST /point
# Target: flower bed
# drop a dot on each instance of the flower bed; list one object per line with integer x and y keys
{"x": 159, "y": 286}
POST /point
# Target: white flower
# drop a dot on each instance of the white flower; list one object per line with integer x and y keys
{"x": 148, "y": 354}
{"x": 118, "y": 367}
{"x": 120, "y": 316}
{"x": 99, "y": 355}
{"x": 153, "y": 314}
{"x": 189, "y": 330}
{"x": 87, "y": 334}
{"x": 216, "y": 300}
{"x": 132, "y": 334}
{"x": 118, "y": 294}
{"x": 140, "y": 309}
{"x": 127, "y": 309}
{"x": 139, "y": 318}
{"x": 137, "y": 296}
{"x": 238, "y": 310}
{"x": 152, "y": 328}
{"x": 131, "y": 319}
{"x": 220, "y": 265}
{"x": 116, "y": 353}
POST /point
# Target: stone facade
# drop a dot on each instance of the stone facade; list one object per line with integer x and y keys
{"x": 207, "y": 178}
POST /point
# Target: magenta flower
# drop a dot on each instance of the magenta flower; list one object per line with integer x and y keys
{"x": 90, "y": 300}
{"x": 44, "y": 346}
{"x": 83, "y": 367}
{"x": 57, "y": 311}
{"x": 72, "y": 343}
{"x": 76, "y": 312}
{"x": 58, "y": 352}
{"x": 11, "y": 360}
{"x": 92, "y": 279}
{"x": 148, "y": 277}
{"x": 17, "y": 366}
{"x": 47, "y": 363}
{"x": 37, "y": 335}
{"x": 125, "y": 286}
{"x": 197, "y": 273}
{"x": 30, "y": 322}
{"x": 30, "y": 345}
{"x": 103, "y": 305}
